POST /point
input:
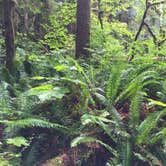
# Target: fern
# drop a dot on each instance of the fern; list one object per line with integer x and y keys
{"x": 135, "y": 109}
{"x": 147, "y": 125}
{"x": 7, "y": 108}
{"x": 122, "y": 81}
{"x": 158, "y": 136}
{"x": 31, "y": 122}
{"x": 159, "y": 153}
{"x": 86, "y": 139}
{"x": 114, "y": 82}
{"x": 92, "y": 119}
{"x": 127, "y": 136}
{"x": 129, "y": 90}
{"x": 126, "y": 151}
{"x": 115, "y": 115}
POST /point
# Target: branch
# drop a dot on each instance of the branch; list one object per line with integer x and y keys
{"x": 140, "y": 27}
{"x": 142, "y": 22}
{"x": 100, "y": 14}
{"x": 148, "y": 5}
{"x": 162, "y": 42}
{"x": 18, "y": 12}
{"x": 151, "y": 33}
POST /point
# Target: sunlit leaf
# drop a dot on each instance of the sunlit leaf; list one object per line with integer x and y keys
{"x": 18, "y": 141}
{"x": 47, "y": 92}
{"x": 158, "y": 103}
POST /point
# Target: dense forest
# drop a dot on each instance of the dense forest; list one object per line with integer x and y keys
{"x": 83, "y": 83}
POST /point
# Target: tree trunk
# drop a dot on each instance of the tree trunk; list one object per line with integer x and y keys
{"x": 9, "y": 7}
{"x": 83, "y": 28}
{"x": 26, "y": 17}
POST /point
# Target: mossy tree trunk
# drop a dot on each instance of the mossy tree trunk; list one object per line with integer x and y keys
{"x": 9, "y": 8}
{"x": 83, "y": 28}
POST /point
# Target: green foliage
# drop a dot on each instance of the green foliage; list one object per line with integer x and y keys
{"x": 24, "y": 123}
{"x": 17, "y": 141}
{"x": 59, "y": 36}
{"x": 147, "y": 125}
{"x": 54, "y": 98}
{"x": 130, "y": 134}
{"x": 47, "y": 92}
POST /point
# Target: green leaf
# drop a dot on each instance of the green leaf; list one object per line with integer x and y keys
{"x": 79, "y": 68}
{"x": 126, "y": 150}
{"x": 111, "y": 150}
{"x": 87, "y": 119}
{"x": 149, "y": 157}
{"x": 40, "y": 78}
{"x": 32, "y": 122}
{"x": 113, "y": 83}
{"x": 158, "y": 103}
{"x": 18, "y": 141}
{"x": 42, "y": 87}
{"x": 61, "y": 67}
{"x": 101, "y": 98}
{"x": 134, "y": 110}
{"x": 158, "y": 136}
{"x": 82, "y": 139}
{"x": 86, "y": 139}
{"x": 147, "y": 125}
{"x": 74, "y": 81}
{"x": 47, "y": 92}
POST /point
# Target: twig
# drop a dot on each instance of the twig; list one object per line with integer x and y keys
{"x": 162, "y": 42}
{"x": 148, "y": 5}
{"x": 140, "y": 28}
{"x": 100, "y": 14}
{"x": 151, "y": 33}
{"x": 143, "y": 20}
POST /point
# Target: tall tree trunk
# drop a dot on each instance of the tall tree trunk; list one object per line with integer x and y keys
{"x": 26, "y": 17}
{"x": 9, "y": 7}
{"x": 83, "y": 28}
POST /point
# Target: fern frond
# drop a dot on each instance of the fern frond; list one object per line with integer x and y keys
{"x": 114, "y": 82}
{"x": 158, "y": 136}
{"x": 24, "y": 123}
{"x": 110, "y": 127}
{"x": 101, "y": 121}
{"x": 158, "y": 103}
{"x": 159, "y": 154}
{"x": 92, "y": 119}
{"x": 6, "y": 104}
{"x": 128, "y": 91}
{"x": 143, "y": 79}
{"x": 126, "y": 152}
{"x": 147, "y": 125}
{"x": 150, "y": 157}
{"x": 134, "y": 109}
{"x": 115, "y": 115}
{"x": 85, "y": 139}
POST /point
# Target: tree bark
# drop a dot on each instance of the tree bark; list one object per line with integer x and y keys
{"x": 83, "y": 28}
{"x": 26, "y": 17}
{"x": 9, "y": 7}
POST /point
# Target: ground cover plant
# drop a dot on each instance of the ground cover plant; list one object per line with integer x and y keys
{"x": 82, "y": 83}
